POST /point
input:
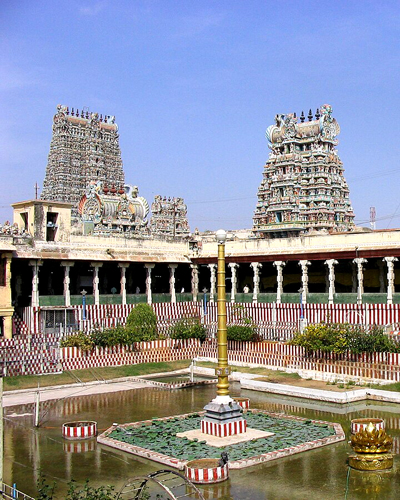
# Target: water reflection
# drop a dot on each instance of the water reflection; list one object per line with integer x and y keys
{"x": 321, "y": 473}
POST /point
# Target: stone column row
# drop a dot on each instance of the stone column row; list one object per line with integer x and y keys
{"x": 304, "y": 264}
{"x": 256, "y": 266}
{"x": 35, "y": 264}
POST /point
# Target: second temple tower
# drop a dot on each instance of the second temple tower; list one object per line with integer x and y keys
{"x": 303, "y": 187}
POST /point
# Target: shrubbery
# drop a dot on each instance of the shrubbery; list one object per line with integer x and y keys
{"x": 141, "y": 325}
{"x": 111, "y": 336}
{"x": 244, "y": 333}
{"x": 80, "y": 340}
{"x": 244, "y": 330}
{"x": 188, "y": 328}
{"x": 343, "y": 337}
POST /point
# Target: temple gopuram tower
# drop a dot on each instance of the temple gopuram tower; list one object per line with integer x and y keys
{"x": 303, "y": 187}
{"x": 84, "y": 148}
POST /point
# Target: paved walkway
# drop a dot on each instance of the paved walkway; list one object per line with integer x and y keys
{"x": 25, "y": 396}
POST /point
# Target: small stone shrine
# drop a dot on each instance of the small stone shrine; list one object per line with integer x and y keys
{"x": 303, "y": 187}
{"x": 169, "y": 217}
{"x": 105, "y": 210}
{"x": 84, "y": 148}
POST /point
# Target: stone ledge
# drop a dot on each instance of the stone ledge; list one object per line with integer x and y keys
{"x": 234, "y": 464}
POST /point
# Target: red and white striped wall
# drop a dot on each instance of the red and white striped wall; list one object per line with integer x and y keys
{"x": 109, "y": 315}
{"x": 199, "y": 475}
{"x": 79, "y": 430}
{"x": 360, "y": 424}
{"x": 244, "y": 403}
{"x": 223, "y": 429}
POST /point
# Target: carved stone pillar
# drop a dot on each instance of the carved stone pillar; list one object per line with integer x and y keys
{"x": 390, "y": 277}
{"x": 96, "y": 293}
{"x": 331, "y": 277}
{"x": 213, "y": 280}
{"x": 304, "y": 279}
{"x": 233, "y": 267}
{"x": 195, "y": 281}
{"x": 123, "y": 266}
{"x": 67, "y": 292}
{"x": 360, "y": 278}
{"x": 148, "y": 267}
{"x": 35, "y": 264}
{"x": 172, "y": 291}
{"x": 279, "y": 264}
{"x": 256, "y": 280}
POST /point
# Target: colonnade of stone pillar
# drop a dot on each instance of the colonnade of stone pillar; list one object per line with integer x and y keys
{"x": 358, "y": 280}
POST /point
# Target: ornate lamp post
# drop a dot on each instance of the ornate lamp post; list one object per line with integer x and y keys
{"x": 223, "y": 415}
{"x": 223, "y": 370}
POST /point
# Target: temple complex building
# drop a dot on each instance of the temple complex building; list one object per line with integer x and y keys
{"x": 84, "y": 148}
{"x": 303, "y": 187}
{"x": 88, "y": 237}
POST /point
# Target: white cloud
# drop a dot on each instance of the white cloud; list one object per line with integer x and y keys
{"x": 93, "y": 9}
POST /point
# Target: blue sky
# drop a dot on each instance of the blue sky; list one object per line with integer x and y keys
{"x": 194, "y": 85}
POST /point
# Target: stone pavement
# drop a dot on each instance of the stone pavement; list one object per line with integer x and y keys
{"x": 25, "y": 396}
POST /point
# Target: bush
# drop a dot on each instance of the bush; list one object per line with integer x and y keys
{"x": 340, "y": 338}
{"x": 80, "y": 340}
{"x": 141, "y": 324}
{"x": 188, "y": 328}
{"x": 243, "y": 333}
{"x": 111, "y": 336}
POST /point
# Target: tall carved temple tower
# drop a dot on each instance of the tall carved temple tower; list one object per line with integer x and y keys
{"x": 84, "y": 148}
{"x": 303, "y": 187}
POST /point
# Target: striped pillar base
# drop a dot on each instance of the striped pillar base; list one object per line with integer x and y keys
{"x": 243, "y": 402}
{"x": 360, "y": 424}
{"x": 206, "y": 471}
{"x": 79, "y": 430}
{"x": 223, "y": 429}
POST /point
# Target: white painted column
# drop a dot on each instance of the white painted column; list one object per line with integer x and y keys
{"x": 256, "y": 280}
{"x": 96, "y": 293}
{"x": 148, "y": 267}
{"x": 172, "y": 290}
{"x": 67, "y": 292}
{"x": 123, "y": 266}
{"x": 213, "y": 281}
{"x": 279, "y": 264}
{"x": 35, "y": 264}
{"x": 195, "y": 281}
{"x": 390, "y": 277}
{"x": 304, "y": 279}
{"x": 331, "y": 277}
{"x": 233, "y": 267}
{"x": 360, "y": 278}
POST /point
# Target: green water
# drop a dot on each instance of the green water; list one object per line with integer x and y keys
{"x": 179, "y": 379}
{"x": 318, "y": 474}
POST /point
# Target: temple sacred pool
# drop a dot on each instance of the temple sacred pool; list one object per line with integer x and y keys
{"x": 321, "y": 473}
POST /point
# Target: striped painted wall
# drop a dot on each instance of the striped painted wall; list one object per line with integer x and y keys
{"x": 267, "y": 316}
